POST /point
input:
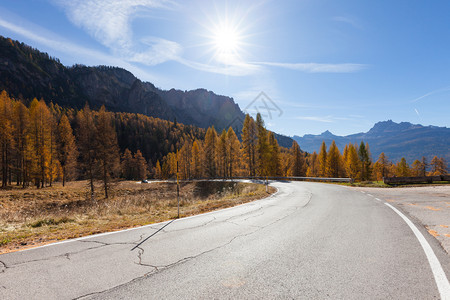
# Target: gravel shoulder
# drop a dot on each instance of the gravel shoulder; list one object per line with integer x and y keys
{"x": 428, "y": 205}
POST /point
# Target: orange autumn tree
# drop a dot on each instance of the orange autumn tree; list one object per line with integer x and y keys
{"x": 68, "y": 151}
{"x": 6, "y": 135}
{"x": 41, "y": 142}
{"x": 107, "y": 150}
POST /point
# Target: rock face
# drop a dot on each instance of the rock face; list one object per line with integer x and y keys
{"x": 396, "y": 140}
{"x": 27, "y": 73}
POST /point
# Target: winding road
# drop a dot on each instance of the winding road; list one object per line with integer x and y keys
{"x": 308, "y": 241}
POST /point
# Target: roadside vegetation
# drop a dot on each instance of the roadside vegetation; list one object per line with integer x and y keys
{"x": 381, "y": 184}
{"x": 31, "y": 217}
{"x": 43, "y": 143}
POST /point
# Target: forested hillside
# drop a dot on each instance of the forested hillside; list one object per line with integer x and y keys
{"x": 41, "y": 143}
{"x": 27, "y": 73}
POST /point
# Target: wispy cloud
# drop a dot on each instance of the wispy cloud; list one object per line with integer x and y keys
{"x": 445, "y": 89}
{"x": 49, "y": 41}
{"x": 109, "y": 22}
{"x": 159, "y": 51}
{"x": 348, "y": 20}
{"x": 327, "y": 119}
{"x": 237, "y": 69}
{"x": 55, "y": 42}
{"x": 318, "y": 67}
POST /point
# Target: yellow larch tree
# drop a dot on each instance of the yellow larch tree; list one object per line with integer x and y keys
{"x": 196, "y": 160}
{"x": 6, "y": 136}
{"x": 107, "y": 149}
{"x": 352, "y": 162}
{"x": 323, "y": 160}
{"x": 274, "y": 156}
{"x": 221, "y": 155}
{"x": 298, "y": 165}
{"x": 313, "y": 165}
{"x": 21, "y": 126}
{"x": 67, "y": 151}
{"x": 249, "y": 140}
{"x": 233, "y": 152}
{"x": 41, "y": 141}
{"x": 210, "y": 148}
{"x": 333, "y": 165}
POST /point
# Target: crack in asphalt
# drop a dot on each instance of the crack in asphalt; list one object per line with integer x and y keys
{"x": 3, "y": 267}
{"x": 115, "y": 287}
{"x": 110, "y": 244}
{"x": 246, "y": 213}
{"x": 66, "y": 255}
{"x": 262, "y": 213}
{"x": 225, "y": 244}
{"x": 143, "y": 241}
{"x": 140, "y": 252}
{"x": 140, "y": 263}
{"x": 158, "y": 269}
{"x": 240, "y": 225}
{"x": 189, "y": 228}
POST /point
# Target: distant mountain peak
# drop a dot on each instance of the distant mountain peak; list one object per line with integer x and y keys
{"x": 396, "y": 140}
{"x": 391, "y": 126}
{"x": 327, "y": 133}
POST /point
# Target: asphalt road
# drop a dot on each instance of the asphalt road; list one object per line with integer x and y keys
{"x": 309, "y": 241}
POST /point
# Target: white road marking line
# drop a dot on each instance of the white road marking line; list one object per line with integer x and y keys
{"x": 370, "y": 195}
{"x": 377, "y": 199}
{"x": 439, "y": 274}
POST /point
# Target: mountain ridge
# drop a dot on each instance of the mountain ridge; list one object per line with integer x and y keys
{"x": 396, "y": 140}
{"x": 27, "y": 73}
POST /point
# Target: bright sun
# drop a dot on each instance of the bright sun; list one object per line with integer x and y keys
{"x": 226, "y": 41}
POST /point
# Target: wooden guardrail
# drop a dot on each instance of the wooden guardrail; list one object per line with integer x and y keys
{"x": 418, "y": 179}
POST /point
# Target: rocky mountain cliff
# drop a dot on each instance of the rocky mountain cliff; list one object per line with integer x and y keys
{"x": 396, "y": 140}
{"x": 27, "y": 73}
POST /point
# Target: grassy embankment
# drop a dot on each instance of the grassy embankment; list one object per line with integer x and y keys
{"x": 31, "y": 217}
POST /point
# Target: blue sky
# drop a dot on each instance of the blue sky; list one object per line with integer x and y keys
{"x": 326, "y": 65}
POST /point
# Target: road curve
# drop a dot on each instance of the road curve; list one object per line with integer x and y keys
{"x": 309, "y": 241}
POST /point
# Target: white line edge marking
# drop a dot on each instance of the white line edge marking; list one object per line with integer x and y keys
{"x": 377, "y": 199}
{"x": 370, "y": 195}
{"x": 140, "y": 227}
{"x": 439, "y": 274}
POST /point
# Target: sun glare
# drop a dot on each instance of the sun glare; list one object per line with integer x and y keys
{"x": 226, "y": 40}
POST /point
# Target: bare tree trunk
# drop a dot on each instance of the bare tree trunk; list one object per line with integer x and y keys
{"x": 105, "y": 180}
{"x": 64, "y": 176}
{"x": 91, "y": 178}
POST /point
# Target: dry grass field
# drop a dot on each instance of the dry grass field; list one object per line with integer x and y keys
{"x": 31, "y": 217}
